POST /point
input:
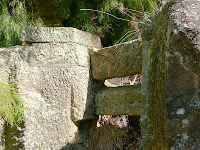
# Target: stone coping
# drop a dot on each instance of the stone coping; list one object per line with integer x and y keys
{"x": 59, "y": 34}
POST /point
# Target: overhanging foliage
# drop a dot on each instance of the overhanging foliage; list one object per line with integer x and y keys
{"x": 13, "y": 16}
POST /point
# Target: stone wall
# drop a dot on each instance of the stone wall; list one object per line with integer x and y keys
{"x": 52, "y": 73}
{"x": 54, "y": 78}
{"x": 117, "y": 61}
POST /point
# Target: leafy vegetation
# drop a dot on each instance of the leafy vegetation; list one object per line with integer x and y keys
{"x": 11, "y": 108}
{"x": 107, "y": 27}
{"x": 13, "y": 15}
{"x": 67, "y": 13}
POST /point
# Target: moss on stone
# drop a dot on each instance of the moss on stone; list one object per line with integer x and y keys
{"x": 11, "y": 108}
{"x": 119, "y": 100}
{"x": 198, "y": 94}
{"x": 154, "y": 121}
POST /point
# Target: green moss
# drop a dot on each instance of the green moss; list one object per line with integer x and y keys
{"x": 157, "y": 89}
{"x": 11, "y": 108}
{"x": 154, "y": 121}
{"x": 119, "y": 100}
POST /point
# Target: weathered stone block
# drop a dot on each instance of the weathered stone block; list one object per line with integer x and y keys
{"x": 59, "y": 34}
{"x": 53, "y": 101}
{"x": 170, "y": 118}
{"x": 1, "y": 132}
{"x": 54, "y": 81}
{"x": 117, "y": 61}
{"x": 66, "y": 54}
{"x": 119, "y": 101}
{"x": 3, "y": 70}
{"x": 4, "y": 61}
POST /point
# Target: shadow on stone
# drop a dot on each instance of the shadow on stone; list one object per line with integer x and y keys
{"x": 85, "y": 125}
{"x": 12, "y": 137}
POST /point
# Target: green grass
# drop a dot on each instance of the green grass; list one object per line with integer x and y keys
{"x": 11, "y": 108}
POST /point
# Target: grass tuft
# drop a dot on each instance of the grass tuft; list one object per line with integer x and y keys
{"x": 11, "y": 108}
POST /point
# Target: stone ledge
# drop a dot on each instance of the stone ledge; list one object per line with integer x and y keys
{"x": 117, "y": 61}
{"x": 59, "y": 34}
{"x": 119, "y": 101}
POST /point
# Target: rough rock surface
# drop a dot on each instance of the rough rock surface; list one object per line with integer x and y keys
{"x": 119, "y": 101}
{"x": 65, "y": 54}
{"x": 53, "y": 77}
{"x": 54, "y": 81}
{"x": 61, "y": 35}
{"x": 171, "y": 72}
{"x": 1, "y": 132}
{"x": 117, "y": 61}
{"x": 4, "y": 68}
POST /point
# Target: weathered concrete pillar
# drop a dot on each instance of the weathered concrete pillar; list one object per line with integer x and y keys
{"x": 52, "y": 73}
{"x": 171, "y": 78}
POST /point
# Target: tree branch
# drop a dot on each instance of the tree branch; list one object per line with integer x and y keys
{"x": 108, "y": 14}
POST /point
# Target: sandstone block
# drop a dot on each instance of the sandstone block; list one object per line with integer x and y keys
{"x": 119, "y": 101}
{"x": 59, "y": 34}
{"x": 5, "y": 62}
{"x": 117, "y": 61}
{"x": 1, "y": 132}
{"x": 48, "y": 96}
{"x": 53, "y": 78}
{"x": 65, "y": 54}
{"x": 54, "y": 97}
